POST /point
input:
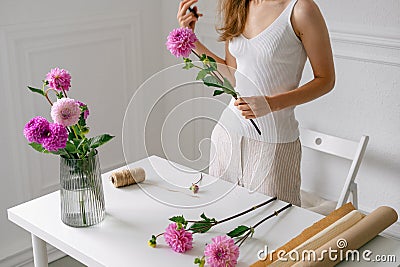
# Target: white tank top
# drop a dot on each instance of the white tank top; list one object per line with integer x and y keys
{"x": 270, "y": 63}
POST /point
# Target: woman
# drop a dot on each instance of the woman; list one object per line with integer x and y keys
{"x": 267, "y": 42}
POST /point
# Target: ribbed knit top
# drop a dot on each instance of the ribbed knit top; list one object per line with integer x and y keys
{"x": 270, "y": 63}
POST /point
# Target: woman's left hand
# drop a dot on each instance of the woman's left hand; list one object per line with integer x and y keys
{"x": 253, "y": 106}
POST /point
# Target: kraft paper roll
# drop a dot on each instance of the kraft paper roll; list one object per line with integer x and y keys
{"x": 128, "y": 177}
{"x": 321, "y": 238}
{"x": 356, "y": 236}
{"x": 308, "y": 233}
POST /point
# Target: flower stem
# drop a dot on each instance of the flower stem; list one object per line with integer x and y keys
{"x": 201, "y": 178}
{"x": 204, "y": 227}
{"x": 247, "y": 211}
{"x": 241, "y": 240}
{"x": 222, "y": 82}
{"x": 47, "y": 97}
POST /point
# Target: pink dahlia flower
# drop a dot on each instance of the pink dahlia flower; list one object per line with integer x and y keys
{"x": 57, "y": 137}
{"x": 86, "y": 113}
{"x": 36, "y": 130}
{"x": 59, "y": 79}
{"x": 180, "y": 42}
{"x": 65, "y": 111}
{"x": 222, "y": 252}
{"x": 179, "y": 240}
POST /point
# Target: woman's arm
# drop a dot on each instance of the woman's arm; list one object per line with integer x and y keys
{"x": 188, "y": 19}
{"x": 310, "y": 26}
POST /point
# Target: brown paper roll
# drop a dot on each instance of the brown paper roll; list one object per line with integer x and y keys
{"x": 318, "y": 240}
{"x": 127, "y": 177}
{"x": 356, "y": 236}
{"x": 308, "y": 233}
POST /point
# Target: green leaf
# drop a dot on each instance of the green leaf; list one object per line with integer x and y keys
{"x": 203, "y": 225}
{"x": 35, "y": 90}
{"x": 218, "y": 92}
{"x": 212, "y": 81}
{"x": 178, "y": 219}
{"x": 238, "y": 231}
{"x": 71, "y": 148}
{"x": 60, "y": 152}
{"x": 99, "y": 140}
{"x": 228, "y": 88}
{"x": 228, "y": 84}
{"x": 71, "y": 135}
{"x": 188, "y": 63}
{"x": 203, "y": 216}
{"x": 200, "y": 227}
{"x": 59, "y": 95}
{"x": 213, "y": 63}
{"x": 38, "y": 147}
{"x": 202, "y": 74}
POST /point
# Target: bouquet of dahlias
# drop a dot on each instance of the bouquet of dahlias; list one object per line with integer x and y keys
{"x": 180, "y": 43}
{"x": 223, "y": 251}
{"x": 66, "y": 135}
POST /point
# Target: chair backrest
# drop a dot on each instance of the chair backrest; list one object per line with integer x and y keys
{"x": 340, "y": 147}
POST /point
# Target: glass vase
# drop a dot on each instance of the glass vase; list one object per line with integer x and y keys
{"x": 82, "y": 197}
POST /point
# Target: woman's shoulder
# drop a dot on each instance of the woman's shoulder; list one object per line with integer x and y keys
{"x": 304, "y": 13}
{"x": 305, "y": 8}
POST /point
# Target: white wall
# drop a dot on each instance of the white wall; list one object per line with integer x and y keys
{"x": 109, "y": 47}
{"x": 366, "y": 41}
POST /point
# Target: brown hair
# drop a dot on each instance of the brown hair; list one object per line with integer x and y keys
{"x": 233, "y": 15}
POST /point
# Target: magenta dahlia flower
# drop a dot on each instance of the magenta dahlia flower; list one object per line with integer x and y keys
{"x": 57, "y": 138}
{"x": 65, "y": 111}
{"x": 222, "y": 252}
{"x": 179, "y": 240}
{"x": 86, "y": 113}
{"x": 36, "y": 129}
{"x": 180, "y": 42}
{"x": 59, "y": 79}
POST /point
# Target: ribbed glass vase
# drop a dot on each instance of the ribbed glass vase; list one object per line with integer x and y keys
{"x": 82, "y": 197}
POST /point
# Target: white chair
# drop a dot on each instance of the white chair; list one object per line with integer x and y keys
{"x": 347, "y": 149}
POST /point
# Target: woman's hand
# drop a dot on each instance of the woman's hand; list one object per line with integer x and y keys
{"x": 185, "y": 18}
{"x": 253, "y": 106}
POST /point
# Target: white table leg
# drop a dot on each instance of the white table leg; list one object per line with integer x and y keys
{"x": 39, "y": 252}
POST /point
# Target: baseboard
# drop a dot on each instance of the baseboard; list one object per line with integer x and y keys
{"x": 24, "y": 258}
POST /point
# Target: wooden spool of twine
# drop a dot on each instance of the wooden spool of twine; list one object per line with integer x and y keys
{"x": 127, "y": 177}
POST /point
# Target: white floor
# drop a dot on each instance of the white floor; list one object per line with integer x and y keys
{"x": 66, "y": 262}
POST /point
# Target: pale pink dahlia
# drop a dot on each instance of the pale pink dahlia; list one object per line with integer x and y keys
{"x": 86, "y": 113}
{"x": 179, "y": 240}
{"x": 222, "y": 252}
{"x": 66, "y": 111}
{"x": 36, "y": 129}
{"x": 180, "y": 42}
{"x": 59, "y": 79}
{"x": 57, "y": 137}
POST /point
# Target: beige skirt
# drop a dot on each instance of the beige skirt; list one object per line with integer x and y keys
{"x": 269, "y": 168}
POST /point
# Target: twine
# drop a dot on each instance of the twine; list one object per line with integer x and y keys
{"x": 128, "y": 177}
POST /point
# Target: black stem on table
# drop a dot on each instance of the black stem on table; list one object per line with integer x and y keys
{"x": 234, "y": 216}
{"x": 247, "y": 211}
{"x": 201, "y": 178}
{"x": 241, "y": 240}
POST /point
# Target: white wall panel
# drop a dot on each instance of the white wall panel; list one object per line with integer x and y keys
{"x": 108, "y": 52}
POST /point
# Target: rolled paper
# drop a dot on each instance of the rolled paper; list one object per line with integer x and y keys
{"x": 321, "y": 238}
{"x": 307, "y": 233}
{"x": 128, "y": 177}
{"x": 355, "y": 237}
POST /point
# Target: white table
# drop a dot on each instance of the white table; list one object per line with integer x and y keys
{"x": 133, "y": 215}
